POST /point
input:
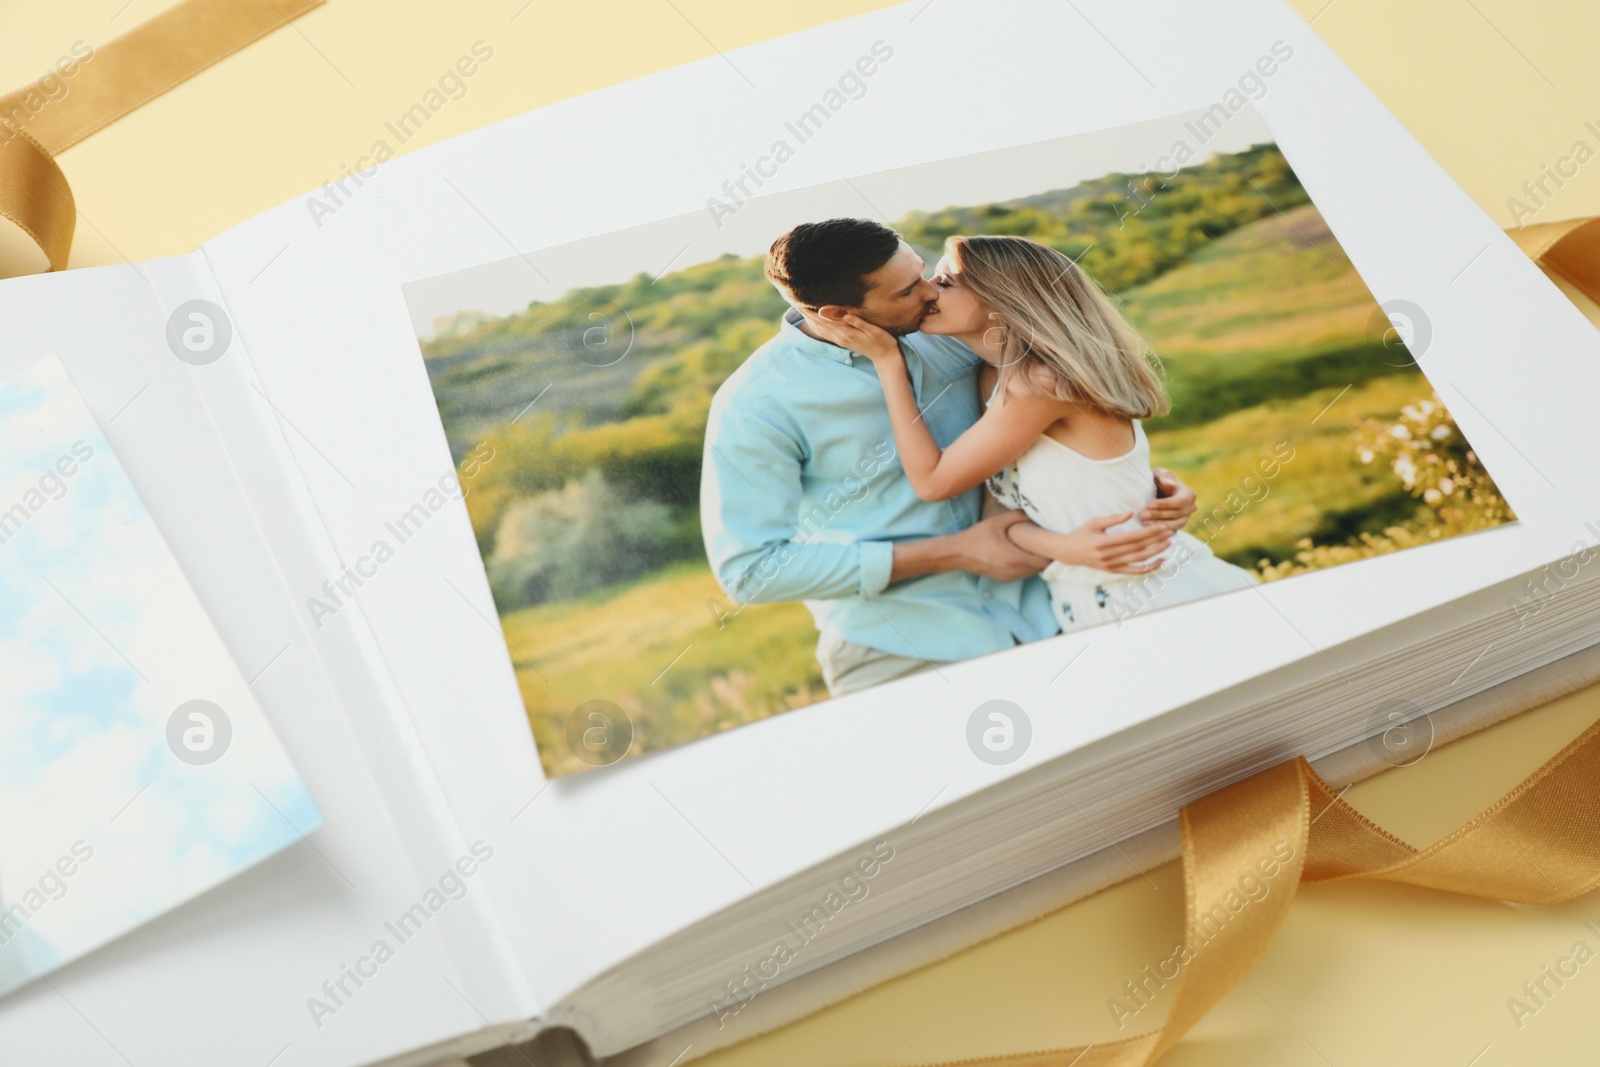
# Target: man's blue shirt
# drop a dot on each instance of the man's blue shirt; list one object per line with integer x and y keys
{"x": 802, "y": 498}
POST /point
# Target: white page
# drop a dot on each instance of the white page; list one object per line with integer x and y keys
{"x": 609, "y": 862}
{"x": 229, "y": 975}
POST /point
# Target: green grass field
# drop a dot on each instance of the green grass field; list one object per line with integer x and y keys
{"x": 617, "y": 645}
{"x": 1323, "y": 491}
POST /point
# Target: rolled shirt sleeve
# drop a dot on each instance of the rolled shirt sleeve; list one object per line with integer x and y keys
{"x": 751, "y": 494}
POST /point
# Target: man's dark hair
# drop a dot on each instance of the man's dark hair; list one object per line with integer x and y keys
{"x": 819, "y": 263}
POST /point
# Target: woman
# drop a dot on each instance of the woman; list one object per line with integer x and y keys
{"x": 1068, "y": 382}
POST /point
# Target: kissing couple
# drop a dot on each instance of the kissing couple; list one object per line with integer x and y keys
{"x": 1017, "y": 500}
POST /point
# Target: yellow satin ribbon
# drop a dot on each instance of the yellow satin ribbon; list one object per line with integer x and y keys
{"x": 1539, "y": 844}
{"x": 39, "y": 120}
{"x": 1570, "y": 250}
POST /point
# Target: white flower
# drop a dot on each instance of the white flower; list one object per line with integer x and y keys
{"x": 1366, "y": 455}
{"x": 1447, "y": 486}
{"x": 1433, "y": 496}
{"x": 1440, "y": 432}
{"x": 1406, "y": 469}
{"x": 1400, "y": 432}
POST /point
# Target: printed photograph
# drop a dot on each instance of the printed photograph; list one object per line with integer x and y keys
{"x": 802, "y": 444}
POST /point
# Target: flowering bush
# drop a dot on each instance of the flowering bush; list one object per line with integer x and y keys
{"x": 1430, "y": 456}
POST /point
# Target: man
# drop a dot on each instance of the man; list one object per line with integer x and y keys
{"x": 802, "y": 498}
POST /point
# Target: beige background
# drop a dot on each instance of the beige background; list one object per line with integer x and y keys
{"x": 1362, "y": 973}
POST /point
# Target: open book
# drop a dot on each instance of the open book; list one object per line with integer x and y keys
{"x": 455, "y": 433}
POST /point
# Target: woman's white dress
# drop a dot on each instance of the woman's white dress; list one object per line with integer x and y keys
{"x": 1061, "y": 489}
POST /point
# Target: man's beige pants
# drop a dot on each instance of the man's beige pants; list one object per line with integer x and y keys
{"x": 848, "y": 667}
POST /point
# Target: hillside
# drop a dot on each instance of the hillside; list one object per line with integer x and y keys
{"x": 685, "y": 332}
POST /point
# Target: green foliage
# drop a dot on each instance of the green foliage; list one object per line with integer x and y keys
{"x": 567, "y": 542}
{"x": 652, "y": 457}
{"x": 674, "y": 340}
{"x": 1128, "y": 230}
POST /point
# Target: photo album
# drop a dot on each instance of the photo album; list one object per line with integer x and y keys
{"x": 627, "y": 576}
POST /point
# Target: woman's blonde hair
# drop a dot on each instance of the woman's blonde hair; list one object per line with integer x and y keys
{"x": 1059, "y": 333}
